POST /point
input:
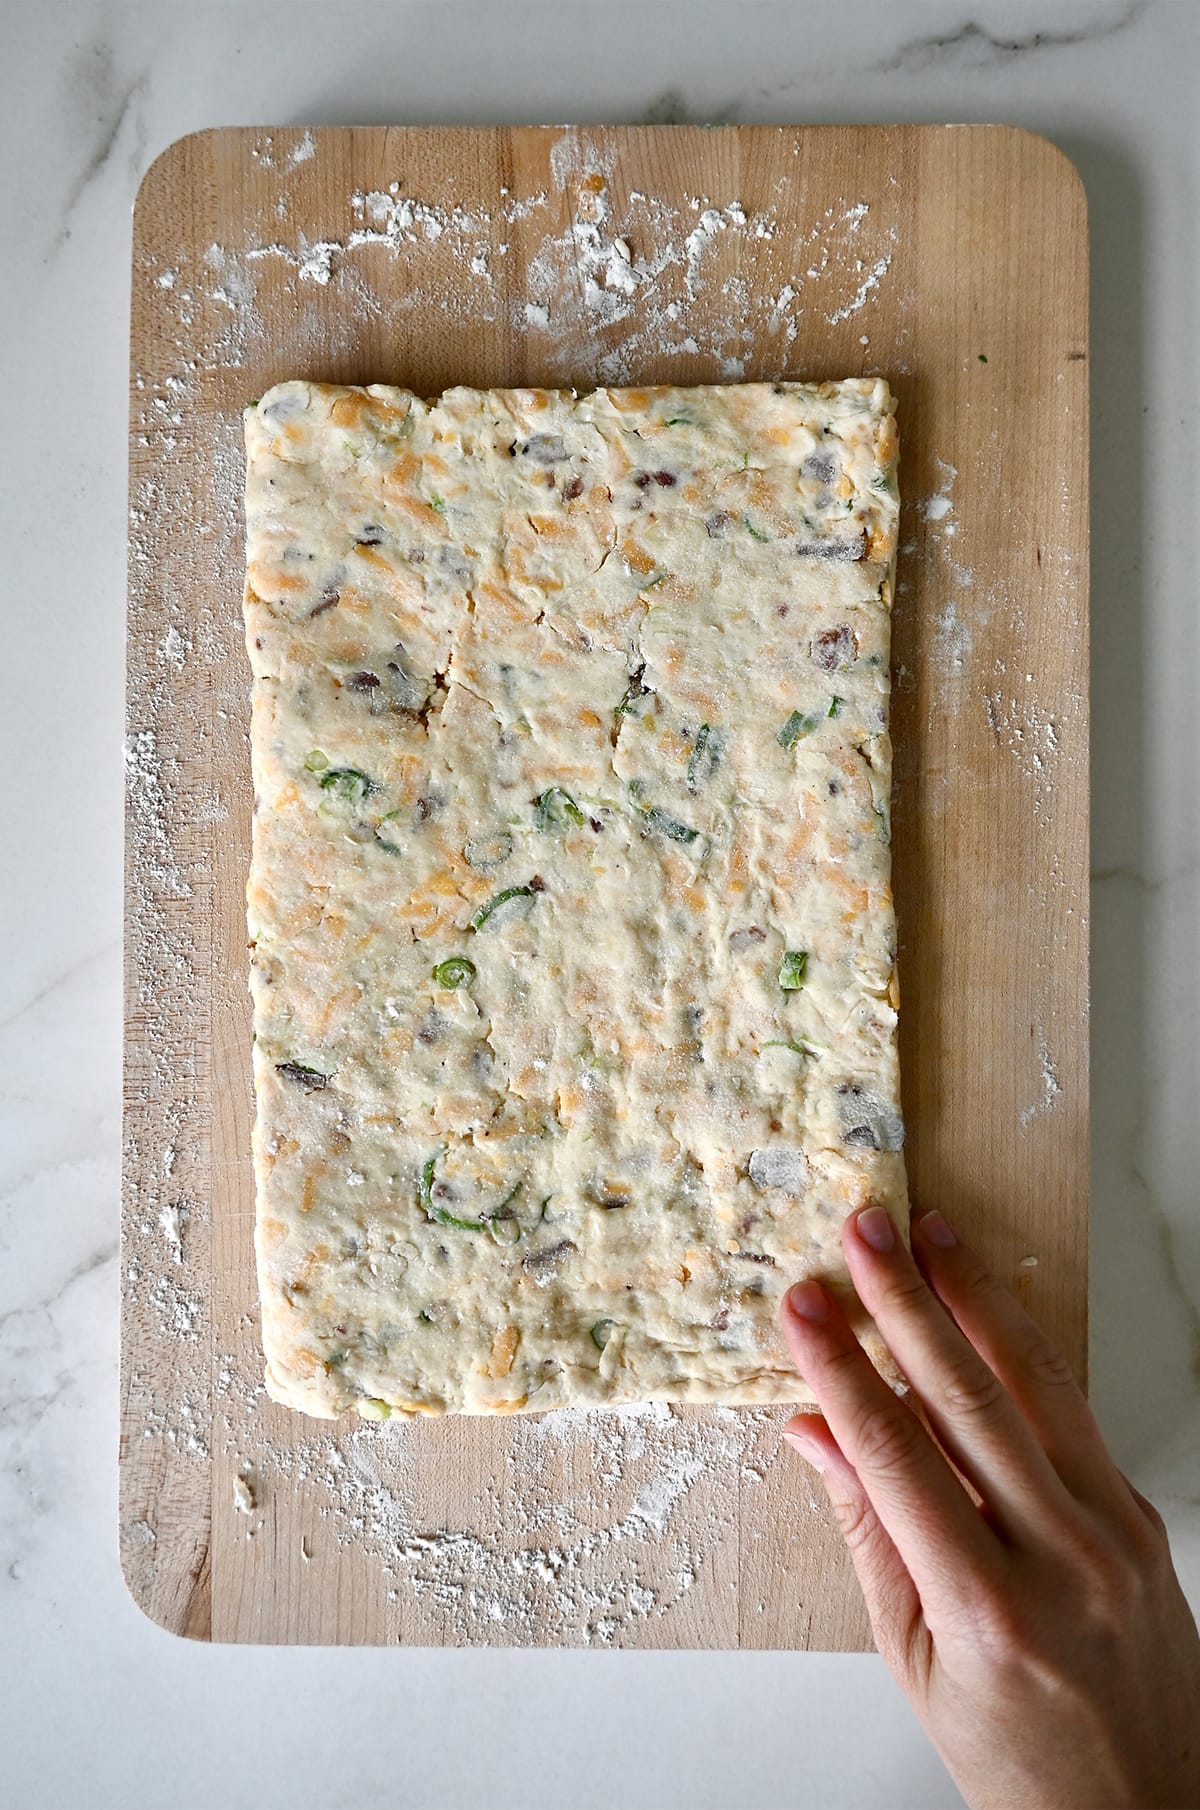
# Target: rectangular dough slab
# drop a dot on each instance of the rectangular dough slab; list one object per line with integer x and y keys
{"x": 570, "y": 906}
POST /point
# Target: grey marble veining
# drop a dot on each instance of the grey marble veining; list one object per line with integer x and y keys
{"x": 100, "y": 1708}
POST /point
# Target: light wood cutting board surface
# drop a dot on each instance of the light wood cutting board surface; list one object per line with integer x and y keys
{"x": 953, "y": 260}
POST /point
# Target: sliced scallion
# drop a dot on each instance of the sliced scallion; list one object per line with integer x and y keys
{"x": 504, "y": 1226}
{"x": 792, "y": 969}
{"x": 493, "y": 905}
{"x": 487, "y": 852}
{"x": 786, "y": 1043}
{"x": 555, "y": 809}
{"x": 670, "y": 826}
{"x": 443, "y": 1218}
{"x": 797, "y": 725}
{"x": 348, "y": 782}
{"x": 704, "y": 756}
{"x": 456, "y": 971}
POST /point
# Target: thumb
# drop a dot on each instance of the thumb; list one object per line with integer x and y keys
{"x": 890, "y": 1594}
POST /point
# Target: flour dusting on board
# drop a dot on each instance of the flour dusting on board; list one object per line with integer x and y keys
{"x": 571, "y": 1527}
{"x": 631, "y": 265}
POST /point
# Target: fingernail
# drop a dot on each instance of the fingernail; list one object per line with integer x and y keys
{"x": 875, "y": 1228}
{"x": 934, "y": 1230}
{"x": 807, "y": 1448}
{"x": 807, "y": 1299}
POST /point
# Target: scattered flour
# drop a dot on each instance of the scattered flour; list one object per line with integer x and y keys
{"x": 173, "y": 648}
{"x": 1050, "y": 1092}
{"x": 567, "y": 1528}
{"x": 869, "y": 283}
{"x": 952, "y": 639}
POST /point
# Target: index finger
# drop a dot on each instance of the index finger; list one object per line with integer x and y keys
{"x": 943, "y": 1541}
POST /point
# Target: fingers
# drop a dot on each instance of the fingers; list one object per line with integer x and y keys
{"x": 976, "y": 1420}
{"x": 889, "y": 1592}
{"x": 944, "y": 1544}
{"x": 1014, "y": 1347}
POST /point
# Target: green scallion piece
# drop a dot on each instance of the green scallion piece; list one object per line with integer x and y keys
{"x": 602, "y": 1332}
{"x": 797, "y": 725}
{"x": 555, "y": 809}
{"x": 752, "y": 531}
{"x": 456, "y": 971}
{"x": 792, "y": 969}
{"x": 348, "y": 782}
{"x": 317, "y": 761}
{"x": 384, "y": 842}
{"x": 487, "y": 852}
{"x": 670, "y": 826}
{"x": 443, "y": 1218}
{"x": 493, "y": 905}
{"x": 835, "y": 706}
{"x": 504, "y": 1226}
{"x": 704, "y": 756}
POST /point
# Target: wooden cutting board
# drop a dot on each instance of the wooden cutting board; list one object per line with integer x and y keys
{"x": 951, "y": 259}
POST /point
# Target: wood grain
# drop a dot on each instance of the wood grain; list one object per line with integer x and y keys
{"x": 954, "y": 261}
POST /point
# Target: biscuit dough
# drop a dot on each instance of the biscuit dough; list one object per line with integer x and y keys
{"x": 572, "y": 931}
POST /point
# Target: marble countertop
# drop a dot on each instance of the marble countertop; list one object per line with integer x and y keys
{"x": 101, "y": 1708}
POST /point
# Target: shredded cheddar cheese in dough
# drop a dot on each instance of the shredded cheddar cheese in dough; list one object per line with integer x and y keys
{"x": 572, "y": 932}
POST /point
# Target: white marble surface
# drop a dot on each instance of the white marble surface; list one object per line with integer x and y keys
{"x": 99, "y": 1707}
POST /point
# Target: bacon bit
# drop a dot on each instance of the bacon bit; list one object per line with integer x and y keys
{"x": 833, "y": 549}
{"x": 835, "y": 648}
{"x": 573, "y": 489}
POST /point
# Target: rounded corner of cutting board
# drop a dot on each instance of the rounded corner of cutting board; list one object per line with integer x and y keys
{"x": 172, "y": 163}
{"x": 189, "y": 1619}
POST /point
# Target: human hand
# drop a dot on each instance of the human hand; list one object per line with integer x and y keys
{"x": 1042, "y": 1638}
